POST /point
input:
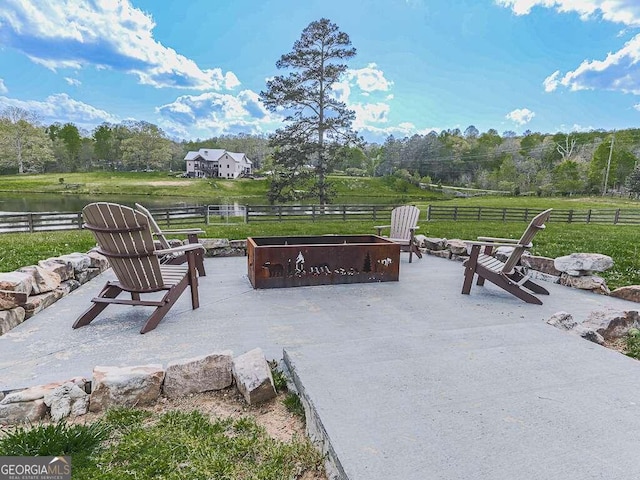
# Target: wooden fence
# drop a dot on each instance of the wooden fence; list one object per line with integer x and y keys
{"x": 281, "y": 213}
{"x": 603, "y": 216}
{"x": 48, "y": 221}
{"x": 180, "y": 216}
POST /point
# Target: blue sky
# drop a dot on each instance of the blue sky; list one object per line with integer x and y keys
{"x": 196, "y": 67}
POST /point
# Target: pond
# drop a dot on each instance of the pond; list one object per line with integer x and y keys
{"x": 56, "y": 202}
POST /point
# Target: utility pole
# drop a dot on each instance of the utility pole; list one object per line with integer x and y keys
{"x": 606, "y": 176}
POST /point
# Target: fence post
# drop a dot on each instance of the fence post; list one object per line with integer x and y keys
{"x": 30, "y": 221}
{"x": 375, "y": 213}
{"x": 246, "y": 213}
{"x": 526, "y": 214}
{"x": 167, "y": 216}
{"x": 313, "y": 213}
{"x": 79, "y": 221}
{"x": 479, "y": 213}
{"x": 428, "y": 212}
{"x": 570, "y": 217}
{"x": 588, "y": 216}
{"x": 279, "y": 213}
{"x": 617, "y": 217}
{"x": 344, "y": 213}
{"x": 504, "y": 214}
{"x": 455, "y": 213}
{"x": 205, "y": 213}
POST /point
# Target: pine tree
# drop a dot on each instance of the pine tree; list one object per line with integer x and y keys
{"x": 318, "y": 124}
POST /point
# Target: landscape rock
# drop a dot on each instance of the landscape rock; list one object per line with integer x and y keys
{"x": 440, "y": 253}
{"x": 78, "y": 261}
{"x": 67, "y": 400}
{"x": 540, "y": 264}
{"x": 125, "y": 386}
{"x": 16, "y": 282}
{"x": 67, "y": 287}
{"x": 457, "y": 247}
{"x": 563, "y": 321}
{"x": 503, "y": 253}
{"x": 98, "y": 260}
{"x": 23, "y": 412}
{"x": 200, "y": 374}
{"x": 536, "y": 275}
{"x": 28, "y": 405}
{"x": 612, "y": 325}
{"x": 253, "y": 377}
{"x": 419, "y": 240}
{"x": 10, "y": 319}
{"x": 582, "y": 263}
{"x": 585, "y": 282}
{"x": 589, "y": 334}
{"x": 10, "y": 299}
{"x": 88, "y": 274}
{"x": 43, "y": 280}
{"x": 630, "y": 292}
{"x": 36, "y": 303}
{"x": 62, "y": 268}
{"x": 433, "y": 243}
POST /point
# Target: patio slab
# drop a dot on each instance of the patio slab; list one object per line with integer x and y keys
{"x": 405, "y": 379}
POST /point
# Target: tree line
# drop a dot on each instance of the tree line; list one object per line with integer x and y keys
{"x": 28, "y": 146}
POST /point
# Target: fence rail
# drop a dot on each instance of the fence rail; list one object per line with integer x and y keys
{"x": 615, "y": 216}
{"x": 281, "y": 213}
{"x": 48, "y": 221}
{"x": 180, "y": 216}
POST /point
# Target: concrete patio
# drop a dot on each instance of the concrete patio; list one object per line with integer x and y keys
{"x": 407, "y": 380}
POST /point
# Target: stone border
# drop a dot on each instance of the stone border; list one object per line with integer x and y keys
{"x": 28, "y": 290}
{"x": 140, "y": 385}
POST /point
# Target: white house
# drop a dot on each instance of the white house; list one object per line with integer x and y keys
{"x": 215, "y": 162}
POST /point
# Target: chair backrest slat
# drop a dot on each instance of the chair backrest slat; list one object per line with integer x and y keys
{"x": 402, "y": 220}
{"x": 537, "y": 224}
{"x": 136, "y": 268}
{"x": 164, "y": 243}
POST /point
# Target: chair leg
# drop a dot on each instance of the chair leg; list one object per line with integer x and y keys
{"x": 470, "y": 269}
{"x": 193, "y": 238}
{"x": 108, "y": 291}
{"x": 193, "y": 281}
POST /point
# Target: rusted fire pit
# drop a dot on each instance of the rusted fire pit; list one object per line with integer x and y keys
{"x": 276, "y": 262}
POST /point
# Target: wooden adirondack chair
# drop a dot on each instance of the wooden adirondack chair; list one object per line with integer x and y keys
{"x": 504, "y": 274}
{"x": 404, "y": 223}
{"x": 175, "y": 259}
{"x": 124, "y": 237}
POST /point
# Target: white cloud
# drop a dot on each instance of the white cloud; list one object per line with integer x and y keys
{"x": 3, "y": 87}
{"x": 619, "y": 71}
{"x": 370, "y": 113}
{"x": 551, "y": 82}
{"x": 626, "y": 12}
{"x": 521, "y": 116}
{"x": 369, "y": 78}
{"x": 72, "y": 81}
{"x": 105, "y": 34}
{"x": 61, "y": 107}
{"x": 215, "y": 113}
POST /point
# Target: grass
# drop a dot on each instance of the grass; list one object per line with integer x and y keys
{"x": 632, "y": 343}
{"x": 135, "y": 444}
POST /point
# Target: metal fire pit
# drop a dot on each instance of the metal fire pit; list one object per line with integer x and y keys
{"x": 276, "y": 262}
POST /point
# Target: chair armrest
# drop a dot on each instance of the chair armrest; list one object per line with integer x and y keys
{"x": 380, "y": 227}
{"x": 496, "y": 244}
{"x": 413, "y": 229}
{"x": 180, "y": 249}
{"x": 184, "y": 231}
{"x": 496, "y": 239}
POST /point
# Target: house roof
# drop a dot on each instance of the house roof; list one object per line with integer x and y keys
{"x": 214, "y": 154}
{"x": 239, "y": 157}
